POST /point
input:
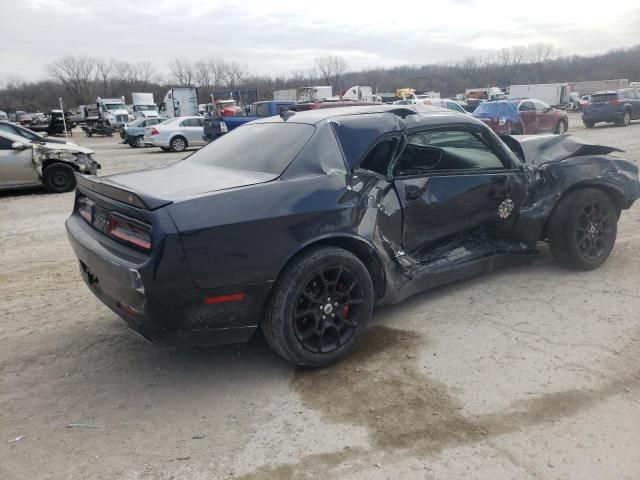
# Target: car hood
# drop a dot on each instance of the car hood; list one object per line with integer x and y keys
{"x": 63, "y": 146}
{"x": 540, "y": 149}
{"x": 186, "y": 179}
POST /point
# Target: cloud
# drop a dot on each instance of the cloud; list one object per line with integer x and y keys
{"x": 277, "y": 37}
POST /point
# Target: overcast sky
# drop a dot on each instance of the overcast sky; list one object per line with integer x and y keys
{"x": 278, "y": 37}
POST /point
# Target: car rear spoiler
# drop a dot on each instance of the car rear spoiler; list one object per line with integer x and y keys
{"x": 539, "y": 149}
{"x": 106, "y": 188}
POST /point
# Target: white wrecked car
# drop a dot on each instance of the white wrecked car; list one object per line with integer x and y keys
{"x": 26, "y": 163}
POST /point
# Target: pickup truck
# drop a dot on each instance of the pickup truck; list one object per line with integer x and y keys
{"x": 215, "y": 125}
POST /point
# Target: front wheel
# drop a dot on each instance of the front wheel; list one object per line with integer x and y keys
{"x": 59, "y": 178}
{"x": 561, "y": 128}
{"x": 588, "y": 123}
{"x": 582, "y": 229}
{"x": 320, "y": 308}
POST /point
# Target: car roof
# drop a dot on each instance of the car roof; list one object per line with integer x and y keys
{"x": 429, "y": 115}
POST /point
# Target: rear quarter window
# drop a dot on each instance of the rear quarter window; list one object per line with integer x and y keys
{"x": 259, "y": 147}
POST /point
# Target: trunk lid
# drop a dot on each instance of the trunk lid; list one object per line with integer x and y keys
{"x": 160, "y": 187}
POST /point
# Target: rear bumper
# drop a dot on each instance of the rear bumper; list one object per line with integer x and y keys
{"x": 167, "y": 311}
{"x": 602, "y": 117}
{"x": 156, "y": 142}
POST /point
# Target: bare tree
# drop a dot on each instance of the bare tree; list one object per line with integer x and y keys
{"x": 182, "y": 71}
{"x": 233, "y": 73}
{"x": 539, "y": 52}
{"x": 104, "y": 66}
{"x": 76, "y": 74}
{"x": 145, "y": 73}
{"x": 331, "y": 68}
{"x": 504, "y": 57}
{"x": 518, "y": 54}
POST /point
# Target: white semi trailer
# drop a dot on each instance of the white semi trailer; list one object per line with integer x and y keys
{"x": 555, "y": 94}
{"x": 180, "y": 102}
{"x": 303, "y": 94}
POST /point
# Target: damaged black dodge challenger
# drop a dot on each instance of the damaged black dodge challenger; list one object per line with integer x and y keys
{"x": 300, "y": 224}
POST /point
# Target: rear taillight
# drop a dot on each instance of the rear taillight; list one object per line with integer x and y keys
{"x": 85, "y": 209}
{"x": 130, "y": 231}
{"x": 154, "y": 131}
{"x": 616, "y": 102}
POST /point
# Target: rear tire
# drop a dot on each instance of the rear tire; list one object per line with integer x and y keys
{"x": 588, "y": 123}
{"x": 59, "y": 178}
{"x": 319, "y": 308}
{"x": 626, "y": 119}
{"x": 178, "y": 144}
{"x": 137, "y": 142}
{"x": 582, "y": 229}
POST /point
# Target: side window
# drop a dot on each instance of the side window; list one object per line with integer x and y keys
{"x": 379, "y": 158}
{"x": 527, "y": 107}
{"x": 191, "y": 122}
{"x": 447, "y": 150}
{"x": 145, "y": 123}
{"x": 6, "y": 128}
{"x": 5, "y": 143}
{"x": 541, "y": 107}
{"x": 199, "y": 122}
{"x": 454, "y": 106}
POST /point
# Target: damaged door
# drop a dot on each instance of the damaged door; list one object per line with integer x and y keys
{"x": 453, "y": 184}
{"x": 16, "y": 164}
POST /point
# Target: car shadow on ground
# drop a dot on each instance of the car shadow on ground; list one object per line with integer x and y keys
{"x": 107, "y": 337}
{"x": 23, "y": 192}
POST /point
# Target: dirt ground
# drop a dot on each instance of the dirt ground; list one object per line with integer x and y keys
{"x": 526, "y": 373}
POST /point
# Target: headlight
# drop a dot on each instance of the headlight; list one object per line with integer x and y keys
{"x": 223, "y": 127}
{"x": 502, "y": 120}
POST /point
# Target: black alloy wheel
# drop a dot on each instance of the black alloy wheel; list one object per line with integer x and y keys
{"x": 582, "y": 229}
{"x": 319, "y": 307}
{"x": 328, "y": 310}
{"x": 594, "y": 230}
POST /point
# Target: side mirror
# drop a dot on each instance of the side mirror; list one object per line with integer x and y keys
{"x": 19, "y": 146}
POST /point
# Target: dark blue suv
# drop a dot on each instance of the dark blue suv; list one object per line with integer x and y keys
{"x": 619, "y": 107}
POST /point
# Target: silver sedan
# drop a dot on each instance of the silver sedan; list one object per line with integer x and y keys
{"x": 176, "y": 134}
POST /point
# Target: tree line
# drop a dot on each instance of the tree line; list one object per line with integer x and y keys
{"x": 80, "y": 79}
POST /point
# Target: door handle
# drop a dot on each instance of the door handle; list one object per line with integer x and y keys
{"x": 411, "y": 192}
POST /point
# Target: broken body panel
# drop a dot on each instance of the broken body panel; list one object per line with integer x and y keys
{"x": 412, "y": 232}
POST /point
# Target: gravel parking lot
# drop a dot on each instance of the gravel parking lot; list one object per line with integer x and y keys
{"x": 526, "y": 373}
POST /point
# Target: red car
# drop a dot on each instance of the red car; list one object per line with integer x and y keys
{"x": 522, "y": 117}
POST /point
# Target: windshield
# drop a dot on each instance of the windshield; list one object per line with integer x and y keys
{"x": 114, "y": 106}
{"x": 146, "y": 108}
{"x": 497, "y": 109}
{"x": 261, "y": 147}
